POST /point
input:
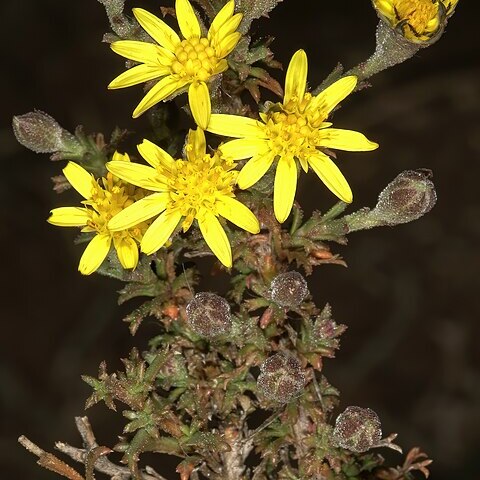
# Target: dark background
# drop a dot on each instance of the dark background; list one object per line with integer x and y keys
{"x": 410, "y": 295}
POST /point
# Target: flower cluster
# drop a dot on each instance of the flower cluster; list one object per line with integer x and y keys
{"x": 151, "y": 202}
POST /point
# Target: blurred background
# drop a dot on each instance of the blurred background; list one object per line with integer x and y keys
{"x": 410, "y": 295}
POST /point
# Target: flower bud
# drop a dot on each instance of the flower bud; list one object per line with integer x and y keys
{"x": 407, "y": 198}
{"x": 209, "y": 315}
{"x": 357, "y": 429}
{"x": 417, "y": 21}
{"x": 281, "y": 377}
{"x": 41, "y": 133}
{"x": 289, "y": 289}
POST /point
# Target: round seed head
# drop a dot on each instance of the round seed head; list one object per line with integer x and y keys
{"x": 357, "y": 429}
{"x": 289, "y": 289}
{"x": 281, "y": 377}
{"x": 209, "y": 315}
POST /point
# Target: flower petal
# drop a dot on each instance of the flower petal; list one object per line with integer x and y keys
{"x": 160, "y": 91}
{"x": 227, "y": 44}
{"x": 94, "y": 254}
{"x": 243, "y": 148}
{"x": 143, "y": 52}
{"x": 236, "y": 126}
{"x": 254, "y": 170}
{"x": 157, "y": 29}
{"x": 127, "y": 251}
{"x": 229, "y": 27}
{"x": 327, "y": 100}
{"x": 69, "y": 217}
{"x": 160, "y": 231}
{"x": 187, "y": 20}
{"x": 216, "y": 238}
{"x": 196, "y": 144}
{"x": 284, "y": 188}
{"x": 296, "y": 79}
{"x": 348, "y": 140}
{"x": 222, "y": 16}
{"x": 331, "y": 176}
{"x": 155, "y": 155}
{"x": 199, "y": 100}
{"x": 138, "y": 212}
{"x": 238, "y": 214}
{"x": 79, "y": 179}
{"x": 139, "y": 175}
{"x": 139, "y": 74}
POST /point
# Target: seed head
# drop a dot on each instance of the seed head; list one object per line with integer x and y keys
{"x": 357, "y": 429}
{"x": 289, "y": 289}
{"x": 209, "y": 315}
{"x": 281, "y": 377}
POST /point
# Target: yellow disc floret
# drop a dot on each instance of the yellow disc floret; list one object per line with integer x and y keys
{"x": 419, "y": 20}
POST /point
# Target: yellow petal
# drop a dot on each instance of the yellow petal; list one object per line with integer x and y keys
{"x": 327, "y": 100}
{"x": 160, "y": 91}
{"x": 120, "y": 157}
{"x": 138, "y": 212}
{"x": 254, "y": 170}
{"x": 226, "y": 29}
{"x": 216, "y": 238}
{"x": 157, "y": 29}
{"x": 139, "y": 74}
{"x": 331, "y": 176}
{"x": 199, "y": 100}
{"x": 345, "y": 140}
{"x": 222, "y": 16}
{"x": 296, "y": 79}
{"x": 243, "y": 148}
{"x": 227, "y": 44}
{"x": 187, "y": 20}
{"x": 236, "y": 126}
{"x": 127, "y": 251}
{"x": 79, "y": 179}
{"x": 139, "y": 175}
{"x": 155, "y": 155}
{"x": 238, "y": 214}
{"x": 69, "y": 217}
{"x": 94, "y": 254}
{"x": 196, "y": 144}
{"x": 143, "y": 52}
{"x": 160, "y": 231}
{"x": 284, "y": 188}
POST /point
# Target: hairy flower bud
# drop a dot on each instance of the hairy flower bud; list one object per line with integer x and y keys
{"x": 407, "y": 198}
{"x": 41, "y": 133}
{"x": 208, "y": 314}
{"x": 289, "y": 289}
{"x": 357, "y": 429}
{"x": 417, "y": 21}
{"x": 281, "y": 377}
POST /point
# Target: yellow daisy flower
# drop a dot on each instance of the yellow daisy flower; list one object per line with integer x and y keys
{"x": 419, "y": 20}
{"x": 292, "y": 131}
{"x": 190, "y": 62}
{"x": 103, "y": 200}
{"x": 199, "y": 187}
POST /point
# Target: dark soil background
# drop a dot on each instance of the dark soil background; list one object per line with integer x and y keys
{"x": 410, "y": 295}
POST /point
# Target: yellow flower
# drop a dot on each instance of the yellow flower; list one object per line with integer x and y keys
{"x": 102, "y": 201}
{"x": 190, "y": 62}
{"x": 292, "y": 131}
{"x": 419, "y": 20}
{"x": 197, "y": 188}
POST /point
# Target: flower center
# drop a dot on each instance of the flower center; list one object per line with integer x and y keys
{"x": 294, "y": 129}
{"x": 109, "y": 198}
{"x": 197, "y": 184}
{"x": 196, "y": 59}
{"x": 417, "y": 13}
